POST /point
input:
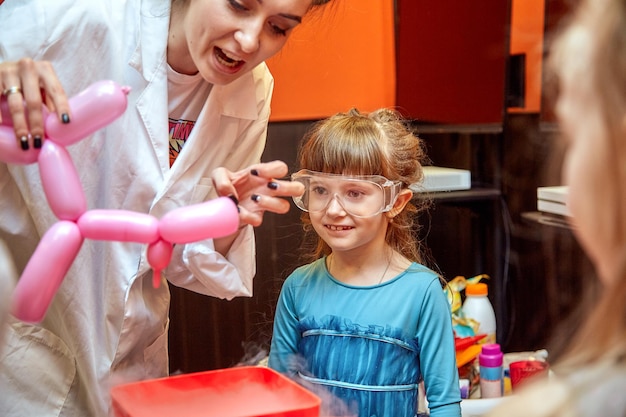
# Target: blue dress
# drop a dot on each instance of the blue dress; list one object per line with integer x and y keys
{"x": 364, "y": 350}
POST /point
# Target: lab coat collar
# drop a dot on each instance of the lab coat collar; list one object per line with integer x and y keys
{"x": 151, "y": 38}
{"x": 237, "y": 99}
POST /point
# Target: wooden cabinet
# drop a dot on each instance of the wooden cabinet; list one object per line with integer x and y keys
{"x": 207, "y": 333}
{"x": 466, "y": 231}
{"x": 451, "y": 60}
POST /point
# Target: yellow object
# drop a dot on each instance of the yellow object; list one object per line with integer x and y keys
{"x": 507, "y": 386}
{"x": 463, "y": 326}
{"x": 458, "y": 284}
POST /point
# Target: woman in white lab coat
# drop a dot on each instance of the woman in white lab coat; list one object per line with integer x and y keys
{"x": 188, "y": 61}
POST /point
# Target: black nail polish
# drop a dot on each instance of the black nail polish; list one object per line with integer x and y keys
{"x": 65, "y": 118}
{"x": 254, "y": 172}
{"x": 37, "y": 142}
{"x": 256, "y": 198}
{"x": 235, "y": 200}
{"x": 24, "y": 143}
{"x": 272, "y": 185}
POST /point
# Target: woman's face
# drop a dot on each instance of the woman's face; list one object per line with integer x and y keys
{"x": 223, "y": 39}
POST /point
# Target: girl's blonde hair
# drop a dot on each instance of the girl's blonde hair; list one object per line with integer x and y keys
{"x": 376, "y": 143}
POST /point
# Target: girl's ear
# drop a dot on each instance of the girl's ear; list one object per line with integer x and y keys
{"x": 403, "y": 198}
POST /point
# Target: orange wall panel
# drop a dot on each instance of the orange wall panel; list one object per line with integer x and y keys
{"x": 527, "y": 38}
{"x": 341, "y": 57}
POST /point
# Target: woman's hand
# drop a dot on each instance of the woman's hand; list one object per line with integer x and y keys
{"x": 257, "y": 190}
{"x": 27, "y": 85}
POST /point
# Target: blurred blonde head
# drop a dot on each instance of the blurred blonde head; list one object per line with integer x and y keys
{"x": 588, "y": 59}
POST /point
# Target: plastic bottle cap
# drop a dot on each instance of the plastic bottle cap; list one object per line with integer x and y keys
{"x": 491, "y": 349}
{"x": 476, "y": 289}
{"x": 491, "y": 355}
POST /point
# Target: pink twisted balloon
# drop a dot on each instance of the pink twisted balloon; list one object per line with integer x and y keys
{"x": 97, "y": 106}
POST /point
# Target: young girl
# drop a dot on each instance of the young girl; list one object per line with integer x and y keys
{"x": 365, "y": 321}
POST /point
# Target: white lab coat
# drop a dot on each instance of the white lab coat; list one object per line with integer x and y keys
{"x": 7, "y": 281}
{"x": 107, "y": 324}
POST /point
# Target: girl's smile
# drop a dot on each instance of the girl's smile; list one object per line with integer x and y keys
{"x": 338, "y": 228}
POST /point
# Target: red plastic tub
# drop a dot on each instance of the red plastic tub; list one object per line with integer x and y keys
{"x": 247, "y": 391}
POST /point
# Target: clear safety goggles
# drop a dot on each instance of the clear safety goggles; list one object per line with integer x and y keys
{"x": 358, "y": 195}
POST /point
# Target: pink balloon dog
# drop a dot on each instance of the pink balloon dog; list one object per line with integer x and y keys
{"x": 97, "y": 106}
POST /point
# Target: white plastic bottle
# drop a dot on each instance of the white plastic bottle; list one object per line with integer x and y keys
{"x": 478, "y": 307}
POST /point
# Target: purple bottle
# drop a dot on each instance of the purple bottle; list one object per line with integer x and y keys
{"x": 490, "y": 361}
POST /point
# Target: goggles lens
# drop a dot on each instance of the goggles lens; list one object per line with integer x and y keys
{"x": 359, "y": 195}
